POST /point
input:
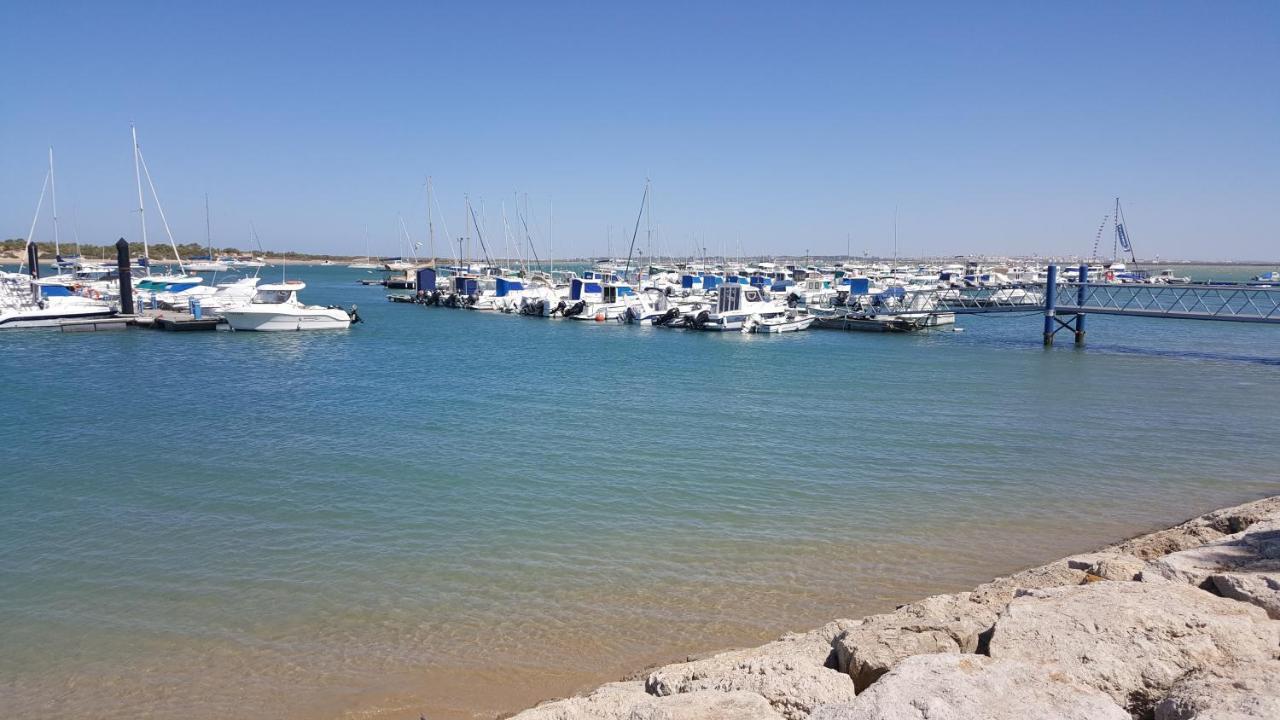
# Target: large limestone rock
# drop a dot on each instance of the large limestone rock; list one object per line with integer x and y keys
{"x": 629, "y": 701}
{"x": 794, "y": 674}
{"x": 966, "y": 687}
{"x": 1132, "y": 640}
{"x": 1260, "y": 586}
{"x": 1255, "y": 548}
{"x": 1202, "y": 530}
{"x": 1234, "y": 692}
{"x": 1000, "y": 591}
{"x": 1108, "y": 565}
{"x": 939, "y": 624}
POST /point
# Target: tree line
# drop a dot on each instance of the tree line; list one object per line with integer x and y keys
{"x": 17, "y": 246}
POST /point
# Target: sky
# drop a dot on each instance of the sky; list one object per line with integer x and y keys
{"x": 763, "y": 128}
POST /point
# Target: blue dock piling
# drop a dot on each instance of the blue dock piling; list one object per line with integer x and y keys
{"x": 1082, "y": 293}
{"x": 1050, "y": 305}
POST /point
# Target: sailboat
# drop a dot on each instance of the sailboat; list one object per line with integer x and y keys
{"x": 171, "y": 283}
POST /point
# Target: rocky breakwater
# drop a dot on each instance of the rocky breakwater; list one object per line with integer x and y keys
{"x": 1178, "y": 624}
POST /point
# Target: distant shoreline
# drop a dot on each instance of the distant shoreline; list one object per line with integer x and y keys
{"x": 275, "y": 259}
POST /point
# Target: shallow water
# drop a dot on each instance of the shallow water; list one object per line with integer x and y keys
{"x": 458, "y": 513}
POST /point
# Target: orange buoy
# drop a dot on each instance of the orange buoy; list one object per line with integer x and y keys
{"x": 599, "y": 317}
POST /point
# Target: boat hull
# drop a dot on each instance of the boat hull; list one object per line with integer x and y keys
{"x": 278, "y": 322}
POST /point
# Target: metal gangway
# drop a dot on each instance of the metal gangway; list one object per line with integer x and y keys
{"x": 1066, "y": 303}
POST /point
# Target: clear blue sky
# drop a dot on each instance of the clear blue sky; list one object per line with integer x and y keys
{"x": 779, "y": 127}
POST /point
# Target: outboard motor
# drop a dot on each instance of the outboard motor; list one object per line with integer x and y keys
{"x": 354, "y": 315}
{"x": 699, "y": 319}
{"x": 792, "y": 299}
{"x": 559, "y": 308}
{"x": 574, "y": 309}
{"x": 629, "y": 316}
{"x": 469, "y": 300}
{"x": 668, "y": 318}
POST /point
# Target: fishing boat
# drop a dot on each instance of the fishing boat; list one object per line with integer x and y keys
{"x": 275, "y": 307}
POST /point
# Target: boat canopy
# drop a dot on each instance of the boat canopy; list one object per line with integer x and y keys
{"x": 506, "y": 286}
{"x": 858, "y": 286}
{"x": 427, "y": 279}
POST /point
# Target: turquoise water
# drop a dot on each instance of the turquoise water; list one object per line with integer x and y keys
{"x": 458, "y": 513}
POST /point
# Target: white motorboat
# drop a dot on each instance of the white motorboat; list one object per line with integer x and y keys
{"x": 275, "y": 307}
{"x": 734, "y": 305}
{"x": 790, "y": 321}
{"x": 21, "y": 308}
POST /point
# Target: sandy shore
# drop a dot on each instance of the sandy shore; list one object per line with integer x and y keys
{"x": 1176, "y": 624}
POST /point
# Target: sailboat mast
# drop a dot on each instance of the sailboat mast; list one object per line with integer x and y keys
{"x": 431, "y": 224}
{"x": 1115, "y": 240}
{"x": 53, "y": 188}
{"x": 142, "y": 217}
{"x": 551, "y": 225}
{"x": 208, "y": 233}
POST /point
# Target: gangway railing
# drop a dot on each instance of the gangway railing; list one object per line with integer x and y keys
{"x": 1065, "y": 304}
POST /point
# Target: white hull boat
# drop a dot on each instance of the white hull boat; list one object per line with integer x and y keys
{"x": 275, "y": 308}
{"x": 789, "y": 322}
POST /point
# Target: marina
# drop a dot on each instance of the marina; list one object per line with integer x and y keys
{"x": 685, "y": 361}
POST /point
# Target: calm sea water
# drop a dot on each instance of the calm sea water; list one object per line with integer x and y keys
{"x": 457, "y": 514}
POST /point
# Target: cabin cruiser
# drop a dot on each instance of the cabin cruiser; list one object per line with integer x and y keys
{"x": 276, "y": 307}
{"x": 609, "y": 303}
{"x": 735, "y": 304}
{"x": 20, "y": 307}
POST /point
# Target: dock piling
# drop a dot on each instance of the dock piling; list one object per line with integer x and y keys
{"x": 1082, "y": 293}
{"x": 33, "y": 263}
{"x": 126, "y": 276}
{"x": 1050, "y": 305}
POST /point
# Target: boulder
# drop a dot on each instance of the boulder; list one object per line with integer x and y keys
{"x": 939, "y": 624}
{"x": 1234, "y": 692}
{"x": 1202, "y": 530}
{"x": 794, "y": 674}
{"x": 1000, "y": 591}
{"x": 1175, "y": 539}
{"x": 1132, "y": 640}
{"x": 1108, "y": 565}
{"x": 629, "y": 701}
{"x": 1241, "y": 517}
{"x": 1249, "y": 549}
{"x": 1259, "y": 587}
{"x": 963, "y": 687}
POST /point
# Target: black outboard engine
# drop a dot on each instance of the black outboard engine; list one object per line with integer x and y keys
{"x": 354, "y": 315}
{"x": 559, "y": 308}
{"x": 700, "y": 319}
{"x": 668, "y": 318}
{"x": 792, "y": 299}
{"x": 433, "y": 298}
{"x": 469, "y": 300}
{"x": 574, "y": 309}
